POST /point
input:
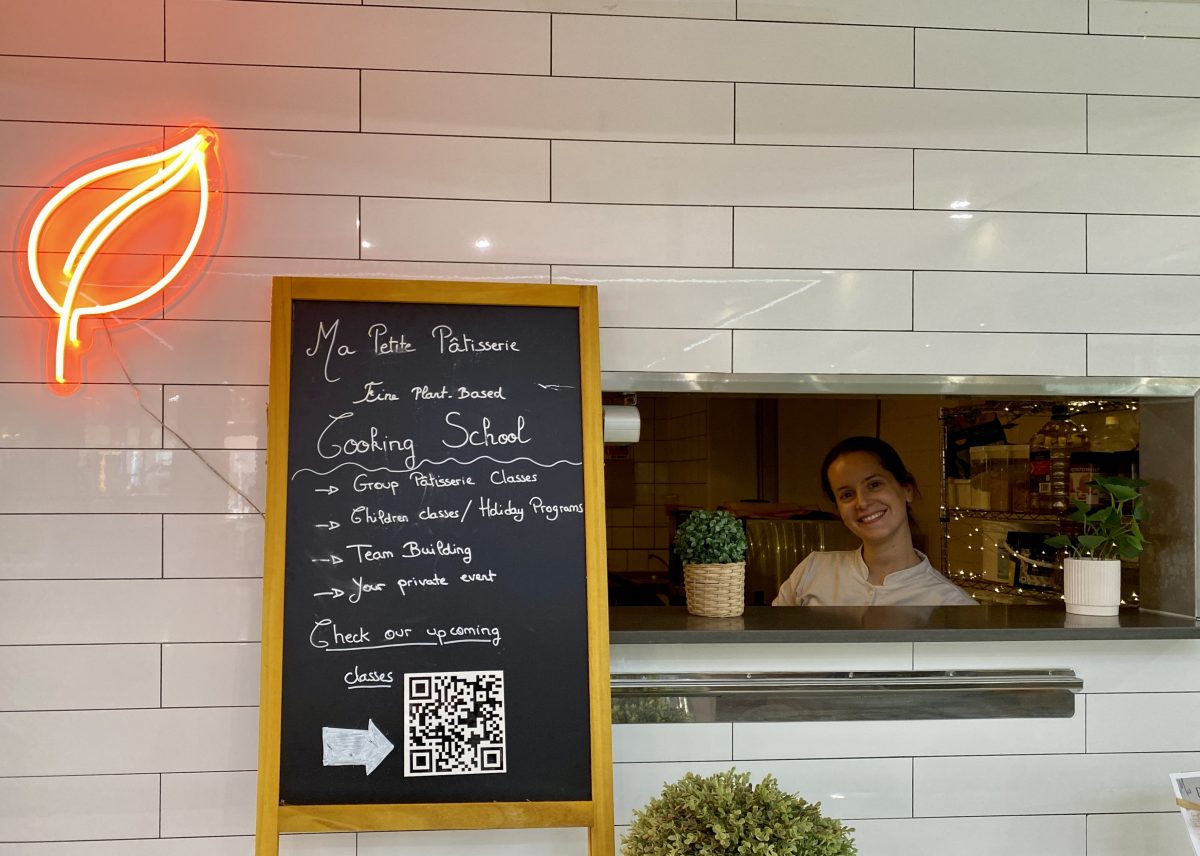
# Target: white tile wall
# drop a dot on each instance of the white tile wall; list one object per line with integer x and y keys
{"x": 981, "y": 836}
{"x": 212, "y": 545}
{"x": 910, "y": 118}
{"x": 66, "y": 677}
{"x": 58, "y": 808}
{"x": 1143, "y": 126}
{"x": 595, "y": 46}
{"x": 678, "y": 174}
{"x": 77, "y": 28}
{"x": 776, "y": 193}
{"x": 938, "y": 240}
{"x": 208, "y": 804}
{"x": 1050, "y": 15}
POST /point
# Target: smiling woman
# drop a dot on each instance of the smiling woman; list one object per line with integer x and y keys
{"x": 872, "y": 488}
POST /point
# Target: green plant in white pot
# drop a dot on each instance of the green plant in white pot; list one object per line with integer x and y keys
{"x": 1092, "y": 574}
{"x": 725, "y": 814}
{"x": 712, "y": 547}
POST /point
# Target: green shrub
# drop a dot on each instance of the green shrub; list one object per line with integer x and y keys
{"x": 710, "y": 536}
{"x": 724, "y": 814}
{"x": 649, "y": 709}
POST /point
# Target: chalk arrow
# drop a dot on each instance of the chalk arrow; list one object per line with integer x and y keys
{"x": 331, "y": 525}
{"x": 554, "y": 386}
{"x": 345, "y": 747}
{"x": 333, "y": 560}
{"x": 331, "y": 490}
{"x": 335, "y": 594}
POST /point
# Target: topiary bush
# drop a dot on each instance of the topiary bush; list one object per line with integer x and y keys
{"x": 706, "y": 537}
{"x": 724, "y": 814}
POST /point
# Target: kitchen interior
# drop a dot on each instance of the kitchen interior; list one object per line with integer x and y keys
{"x": 759, "y": 456}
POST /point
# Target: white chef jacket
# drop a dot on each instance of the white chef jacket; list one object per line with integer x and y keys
{"x": 839, "y": 578}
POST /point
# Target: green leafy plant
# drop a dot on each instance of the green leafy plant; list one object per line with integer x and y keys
{"x": 649, "y": 709}
{"x": 1112, "y": 531}
{"x": 724, "y": 814}
{"x": 706, "y": 537}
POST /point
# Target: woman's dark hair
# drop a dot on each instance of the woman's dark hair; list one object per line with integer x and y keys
{"x": 888, "y": 457}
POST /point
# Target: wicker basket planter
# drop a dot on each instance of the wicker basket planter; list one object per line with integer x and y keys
{"x": 716, "y": 590}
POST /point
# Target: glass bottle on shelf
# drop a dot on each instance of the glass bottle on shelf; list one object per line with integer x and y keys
{"x": 1050, "y": 452}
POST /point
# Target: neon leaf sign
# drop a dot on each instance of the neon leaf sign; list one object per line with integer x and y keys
{"x": 181, "y": 167}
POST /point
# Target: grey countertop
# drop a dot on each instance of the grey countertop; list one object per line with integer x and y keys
{"x": 655, "y": 625}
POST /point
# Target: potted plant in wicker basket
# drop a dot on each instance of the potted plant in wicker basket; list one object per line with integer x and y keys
{"x": 1092, "y": 574}
{"x": 725, "y": 813}
{"x": 712, "y": 547}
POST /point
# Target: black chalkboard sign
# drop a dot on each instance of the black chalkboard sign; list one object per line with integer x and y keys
{"x": 438, "y": 641}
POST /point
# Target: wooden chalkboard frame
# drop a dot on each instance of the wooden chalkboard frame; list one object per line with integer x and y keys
{"x": 595, "y": 814}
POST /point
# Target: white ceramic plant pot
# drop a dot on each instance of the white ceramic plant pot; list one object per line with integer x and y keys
{"x": 1092, "y": 586}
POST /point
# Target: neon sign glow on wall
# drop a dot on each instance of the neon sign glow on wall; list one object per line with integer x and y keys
{"x": 115, "y": 237}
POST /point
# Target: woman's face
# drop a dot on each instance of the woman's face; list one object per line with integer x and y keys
{"x": 872, "y": 504}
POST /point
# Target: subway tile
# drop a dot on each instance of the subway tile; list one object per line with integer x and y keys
{"x": 1144, "y": 18}
{"x": 212, "y": 545}
{"x": 290, "y": 225}
{"x": 1143, "y": 126}
{"x": 538, "y": 232}
{"x": 1126, "y": 666}
{"x": 319, "y": 844}
{"x": 83, "y": 612}
{"x": 596, "y": 46}
{"x": 647, "y": 8}
{"x": 240, "y": 288}
{"x": 1159, "y": 722}
{"x": 1061, "y": 835}
{"x": 678, "y": 174}
{"x": 1121, "y": 834}
{"x": 1134, "y": 244}
{"x": 627, "y": 350}
{"x": 249, "y": 225}
{"x": 48, "y": 481}
{"x": 938, "y": 240}
{"x": 49, "y": 808}
{"x": 1117, "y": 184}
{"x": 79, "y": 677}
{"x": 835, "y": 352}
{"x": 148, "y": 847}
{"x": 37, "y": 153}
{"x": 1037, "y": 62}
{"x": 910, "y": 118}
{"x": 357, "y": 37}
{"x": 96, "y": 416}
{"x": 761, "y": 657}
{"x": 216, "y": 417}
{"x": 118, "y": 29}
{"x": 37, "y": 547}
{"x": 767, "y": 740}
{"x": 81, "y": 743}
{"x": 198, "y": 804}
{"x": 1143, "y": 356}
{"x": 210, "y": 674}
{"x": 1046, "y": 784}
{"x": 545, "y": 107}
{"x": 494, "y": 842}
{"x": 744, "y": 298}
{"x": 1053, "y": 16}
{"x": 1065, "y": 303}
{"x": 385, "y": 165}
{"x": 679, "y": 741}
{"x": 846, "y": 788}
{"x": 234, "y": 96}
{"x": 153, "y": 351}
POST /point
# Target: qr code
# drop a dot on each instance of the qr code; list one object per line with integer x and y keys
{"x": 454, "y": 723}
